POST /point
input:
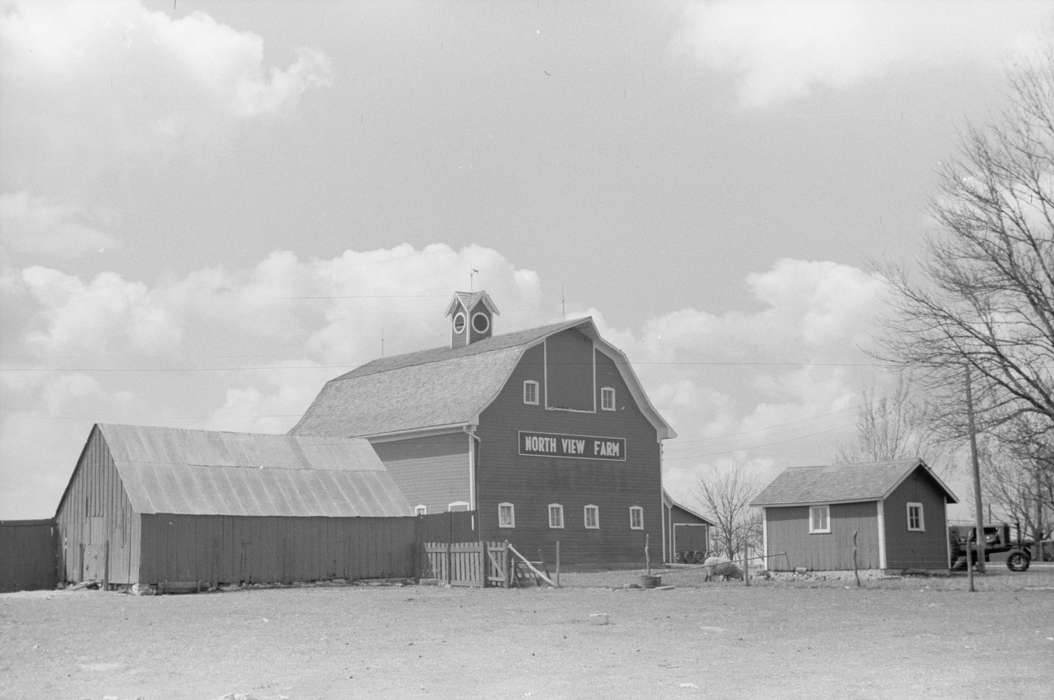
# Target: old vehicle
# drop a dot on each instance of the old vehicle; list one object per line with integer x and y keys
{"x": 996, "y": 540}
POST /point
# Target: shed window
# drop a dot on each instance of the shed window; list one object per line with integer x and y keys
{"x": 591, "y": 517}
{"x": 506, "y": 515}
{"x": 819, "y": 519}
{"x": 556, "y": 516}
{"x": 420, "y": 510}
{"x": 916, "y": 522}
{"x": 607, "y": 398}
{"x": 636, "y": 518}
{"x": 530, "y": 392}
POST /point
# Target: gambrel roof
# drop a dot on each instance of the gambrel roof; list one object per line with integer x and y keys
{"x": 203, "y": 472}
{"x": 843, "y": 483}
{"x": 443, "y": 387}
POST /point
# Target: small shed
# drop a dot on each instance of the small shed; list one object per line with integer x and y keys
{"x": 687, "y": 532}
{"x": 178, "y": 508}
{"x": 897, "y": 509}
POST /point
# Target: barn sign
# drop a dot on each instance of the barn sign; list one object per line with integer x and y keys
{"x": 572, "y": 446}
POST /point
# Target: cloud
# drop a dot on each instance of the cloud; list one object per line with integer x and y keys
{"x": 89, "y": 82}
{"x": 36, "y": 226}
{"x": 248, "y": 349}
{"x": 780, "y": 51}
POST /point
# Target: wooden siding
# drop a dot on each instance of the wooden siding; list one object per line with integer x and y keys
{"x": 531, "y": 483}
{"x": 916, "y": 550}
{"x": 569, "y": 381}
{"x": 28, "y": 555}
{"x": 94, "y": 492}
{"x": 788, "y": 531}
{"x": 432, "y": 471}
{"x": 208, "y": 549}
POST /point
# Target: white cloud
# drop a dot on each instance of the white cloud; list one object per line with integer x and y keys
{"x": 780, "y": 51}
{"x": 285, "y": 325}
{"x": 36, "y": 226}
{"x": 97, "y": 80}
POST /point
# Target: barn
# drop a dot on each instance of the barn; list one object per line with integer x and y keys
{"x": 897, "y": 509}
{"x": 544, "y": 434}
{"x": 687, "y": 532}
{"x": 178, "y": 509}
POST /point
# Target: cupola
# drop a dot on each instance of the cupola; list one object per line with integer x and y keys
{"x": 471, "y": 317}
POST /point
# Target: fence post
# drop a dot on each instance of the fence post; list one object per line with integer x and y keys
{"x": 449, "y": 563}
{"x": 558, "y": 563}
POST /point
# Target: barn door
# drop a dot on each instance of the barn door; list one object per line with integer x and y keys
{"x": 95, "y": 550}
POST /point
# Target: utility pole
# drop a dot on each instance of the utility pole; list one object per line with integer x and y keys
{"x": 978, "y": 506}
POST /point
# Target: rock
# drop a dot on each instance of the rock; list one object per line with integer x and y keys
{"x": 598, "y": 618}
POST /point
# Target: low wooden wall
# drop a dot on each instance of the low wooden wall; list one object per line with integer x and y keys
{"x": 200, "y": 550}
{"x": 28, "y": 555}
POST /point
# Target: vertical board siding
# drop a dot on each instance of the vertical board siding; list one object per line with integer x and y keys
{"x": 431, "y": 471}
{"x": 788, "y": 531}
{"x": 95, "y": 491}
{"x": 28, "y": 555}
{"x": 530, "y": 483}
{"x": 916, "y": 550}
{"x": 214, "y": 549}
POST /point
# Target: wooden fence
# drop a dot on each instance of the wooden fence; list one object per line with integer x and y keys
{"x": 28, "y": 555}
{"x": 479, "y": 564}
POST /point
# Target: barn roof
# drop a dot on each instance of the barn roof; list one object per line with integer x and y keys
{"x": 442, "y": 387}
{"x": 200, "y": 472}
{"x": 843, "y": 483}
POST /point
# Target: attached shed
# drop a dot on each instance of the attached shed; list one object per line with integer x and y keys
{"x": 177, "y": 508}
{"x": 897, "y": 509}
{"x": 687, "y": 531}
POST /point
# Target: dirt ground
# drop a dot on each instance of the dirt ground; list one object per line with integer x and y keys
{"x": 795, "y": 637}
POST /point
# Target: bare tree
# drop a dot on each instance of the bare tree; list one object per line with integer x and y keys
{"x": 727, "y": 496}
{"x": 1020, "y": 480}
{"x": 890, "y": 425}
{"x": 985, "y": 303}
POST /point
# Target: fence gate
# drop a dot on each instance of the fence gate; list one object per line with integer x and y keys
{"x": 477, "y": 564}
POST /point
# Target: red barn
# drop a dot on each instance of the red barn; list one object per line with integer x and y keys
{"x": 897, "y": 509}
{"x": 546, "y": 434}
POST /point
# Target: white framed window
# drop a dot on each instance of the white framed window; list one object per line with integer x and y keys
{"x": 636, "y": 518}
{"x": 916, "y": 520}
{"x": 506, "y": 515}
{"x": 819, "y": 520}
{"x": 459, "y": 322}
{"x": 556, "y": 516}
{"x": 530, "y": 392}
{"x": 480, "y": 322}
{"x": 607, "y": 398}
{"x": 420, "y": 509}
{"x": 457, "y": 506}
{"x": 591, "y": 517}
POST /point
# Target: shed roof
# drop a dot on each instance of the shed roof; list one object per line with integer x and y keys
{"x": 671, "y": 504}
{"x": 442, "y": 387}
{"x": 201, "y": 472}
{"x": 843, "y": 483}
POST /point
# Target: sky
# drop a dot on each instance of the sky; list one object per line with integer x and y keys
{"x": 208, "y": 209}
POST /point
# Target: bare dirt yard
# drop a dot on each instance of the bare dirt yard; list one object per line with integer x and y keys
{"x": 794, "y": 637}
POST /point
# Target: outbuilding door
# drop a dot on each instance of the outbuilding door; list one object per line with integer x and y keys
{"x": 95, "y": 550}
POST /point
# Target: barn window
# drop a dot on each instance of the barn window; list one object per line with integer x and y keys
{"x": 819, "y": 519}
{"x": 607, "y": 398}
{"x": 530, "y": 392}
{"x": 916, "y": 522}
{"x": 556, "y": 516}
{"x": 636, "y": 518}
{"x": 420, "y": 510}
{"x": 457, "y": 506}
{"x": 591, "y": 516}
{"x": 506, "y": 515}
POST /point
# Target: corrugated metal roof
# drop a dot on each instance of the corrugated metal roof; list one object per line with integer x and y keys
{"x": 842, "y": 483}
{"x": 439, "y": 387}
{"x": 199, "y": 472}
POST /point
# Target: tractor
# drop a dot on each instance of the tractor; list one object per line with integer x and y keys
{"x": 996, "y": 540}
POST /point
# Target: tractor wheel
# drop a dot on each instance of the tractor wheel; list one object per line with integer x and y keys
{"x": 1018, "y": 561}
